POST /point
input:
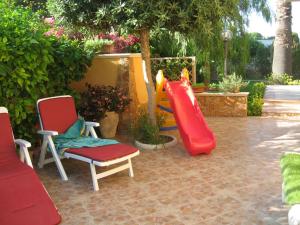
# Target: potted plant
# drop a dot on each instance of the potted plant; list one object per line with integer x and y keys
{"x": 98, "y": 45}
{"x": 104, "y": 103}
{"x": 232, "y": 83}
{"x": 199, "y": 87}
{"x": 119, "y": 43}
{"x": 213, "y": 87}
{"x": 147, "y": 134}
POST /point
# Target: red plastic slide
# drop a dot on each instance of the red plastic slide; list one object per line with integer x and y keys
{"x": 196, "y": 135}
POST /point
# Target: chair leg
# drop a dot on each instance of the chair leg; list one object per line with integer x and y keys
{"x": 43, "y": 153}
{"x": 94, "y": 177}
{"x": 57, "y": 160}
{"x": 131, "y": 174}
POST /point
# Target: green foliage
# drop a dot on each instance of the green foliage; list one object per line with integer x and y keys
{"x": 95, "y": 45}
{"x": 171, "y": 67}
{"x": 180, "y": 15}
{"x": 33, "y": 65}
{"x": 231, "y": 83}
{"x": 255, "y": 97}
{"x": 179, "y": 28}
{"x": 145, "y": 131}
{"x": 238, "y": 53}
{"x": 260, "y": 63}
{"x": 294, "y": 82}
{"x": 168, "y": 44}
{"x": 296, "y": 55}
{"x": 214, "y": 86}
{"x": 283, "y": 79}
{"x": 35, "y": 5}
{"x": 97, "y": 100}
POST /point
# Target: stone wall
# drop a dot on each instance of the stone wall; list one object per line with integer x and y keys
{"x": 221, "y": 104}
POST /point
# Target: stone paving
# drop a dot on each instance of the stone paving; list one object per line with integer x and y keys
{"x": 282, "y": 100}
{"x": 239, "y": 183}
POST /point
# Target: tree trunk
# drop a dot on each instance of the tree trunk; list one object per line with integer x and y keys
{"x": 282, "y": 58}
{"x": 145, "y": 47}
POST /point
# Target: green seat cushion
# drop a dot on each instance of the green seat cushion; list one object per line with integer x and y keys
{"x": 290, "y": 170}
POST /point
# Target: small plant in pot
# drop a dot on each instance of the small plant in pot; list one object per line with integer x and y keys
{"x": 147, "y": 134}
{"x": 232, "y": 83}
{"x": 96, "y": 45}
{"x": 199, "y": 87}
{"x": 104, "y": 103}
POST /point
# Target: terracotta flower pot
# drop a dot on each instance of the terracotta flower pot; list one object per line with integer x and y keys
{"x": 199, "y": 89}
{"x": 109, "y": 124}
{"x": 107, "y": 49}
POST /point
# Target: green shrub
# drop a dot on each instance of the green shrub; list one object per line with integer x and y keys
{"x": 231, "y": 83}
{"x": 70, "y": 63}
{"x": 33, "y": 65}
{"x": 294, "y": 82}
{"x": 145, "y": 131}
{"x": 255, "y": 98}
{"x": 171, "y": 67}
{"x": 95, "y": 45}
{"x": 283, "y": 79}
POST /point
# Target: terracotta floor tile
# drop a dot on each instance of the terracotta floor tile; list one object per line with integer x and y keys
{"x": 239, "y": 183}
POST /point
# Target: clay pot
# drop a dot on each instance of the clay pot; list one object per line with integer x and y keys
{"x": 108, "y": 49}
{"x": 109, "y": 124}
{"x": 199, "y": 89}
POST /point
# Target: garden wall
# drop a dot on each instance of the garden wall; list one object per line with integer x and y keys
{"x": 223, "y": 104}
{"x": 123, "y": 70}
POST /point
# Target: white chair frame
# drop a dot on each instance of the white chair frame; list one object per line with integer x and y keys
{"x": 89, "y": 130}
{"x": 23, "y": 145}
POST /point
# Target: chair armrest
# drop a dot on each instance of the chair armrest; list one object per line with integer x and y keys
{"x": 92, "y": 124}
{"x": 22, "y": 143}
{"x": 90, "y": 128}
{"x": 48, "y": 132}
{"x": 24, "y": 154}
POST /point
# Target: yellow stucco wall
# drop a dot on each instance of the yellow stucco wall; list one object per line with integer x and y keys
{"x": 118, "y": 69}
{"x": 103, "y": 71}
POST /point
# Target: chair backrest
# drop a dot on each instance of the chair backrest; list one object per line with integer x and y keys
{"x": 57, "y": 113}
{"x": 7, "y": 143}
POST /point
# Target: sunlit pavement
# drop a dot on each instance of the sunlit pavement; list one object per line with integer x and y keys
{"x": 239, "y": 183}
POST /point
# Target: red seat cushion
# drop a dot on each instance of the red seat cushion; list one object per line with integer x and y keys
{"x": 104, "y": 153}
{"x": 7, "y": 144}
{"x": 24, "y": 200}
{"x": 57, "y": 114}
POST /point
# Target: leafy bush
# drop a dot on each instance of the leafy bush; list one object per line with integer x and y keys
{"x": 33, "y": 65}
{"x": 120, "y": 42}
{"x": 171, "y": 67}
{"x": 231, "y": 83}
{"x": 255, "y": 98}
{"x": 145, "y": 131}
{"x": 294, "y": 82}
{"x": 283, "y": 79}
{"x": 213, "y": 86}
{"x": 95, "y": 45}
{"x": 96, "y": 100}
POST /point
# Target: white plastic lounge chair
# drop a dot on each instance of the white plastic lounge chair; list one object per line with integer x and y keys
{"x": 24, "y": 199}
{"x": 56, "y": 115}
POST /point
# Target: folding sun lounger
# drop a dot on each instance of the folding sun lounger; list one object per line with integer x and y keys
{"x": 23, "y": 198}
{"x": 56, "y": 115}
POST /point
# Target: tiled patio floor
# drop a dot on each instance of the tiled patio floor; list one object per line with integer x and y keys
{"x": 239, "y": 183}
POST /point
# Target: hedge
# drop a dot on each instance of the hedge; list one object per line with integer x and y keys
{"x": 33, "y": 65}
